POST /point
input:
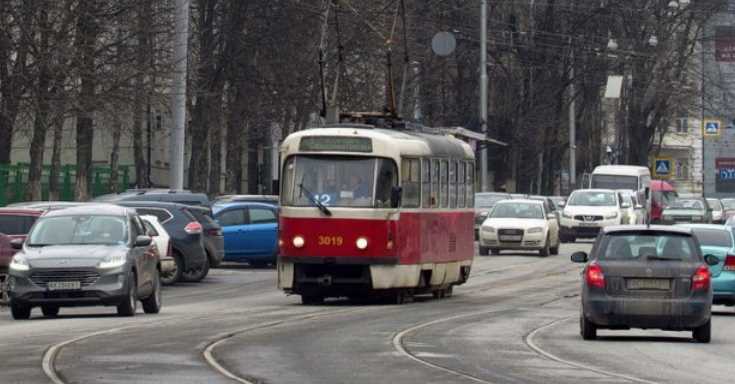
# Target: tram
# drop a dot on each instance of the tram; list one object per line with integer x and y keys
{"x": 371, "y": 212}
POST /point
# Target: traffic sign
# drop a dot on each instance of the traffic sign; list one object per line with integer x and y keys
{"x": 711, "y": 127}
{"x": 662, "y": 167}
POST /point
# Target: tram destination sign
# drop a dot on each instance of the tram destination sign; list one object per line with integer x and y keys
{"x": 336, "y": 144}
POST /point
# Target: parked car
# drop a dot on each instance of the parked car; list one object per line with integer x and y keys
{"x": 520, "y": 225}
{"x": 46, "y": 205}
{"x": 687, "y": 210}
{"x": 589, "y": 210}
{"x": 162, "y": 195}
{"x": 214, "y": 241}
{"x": 266, "y": 199}
{"x": 82, "y": 256}
{"x": 649, "y": 277}
{"x": 187, "y": 240}
{"x": 728, "y": 207}
{"x": 162, "y": 240}
{"x": 250, "y": 230}
{"x": 484, "y": 203}
{"x": 718, "y": 241}
{"x": 14, "y": 224}
{"x": 718, "y": 212}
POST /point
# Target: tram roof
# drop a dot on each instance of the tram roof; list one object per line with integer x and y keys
{"x": 392, "y": 143}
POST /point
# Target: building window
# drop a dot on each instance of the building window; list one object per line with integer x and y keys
{"x": 682, "y": 125}
{"x": 682, "y": 168}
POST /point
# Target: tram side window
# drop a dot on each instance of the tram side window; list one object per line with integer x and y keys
{"x": 410, "y": 183}
{"x": 426, "y": 183}
{"x": 470, "y": 184}
{"x": 435, "y": 183}
{"x": 461, "y": 182}
{"x": 287, "y": 180}
{"x": 452, "y": 184}
{"x": 444, "y": 184}
{"x": 387, "y": 179}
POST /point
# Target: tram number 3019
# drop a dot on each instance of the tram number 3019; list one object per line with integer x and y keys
{"x": 333, "y": 241}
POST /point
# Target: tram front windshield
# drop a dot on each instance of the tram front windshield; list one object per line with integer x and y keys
{"x": 338, "y": 181}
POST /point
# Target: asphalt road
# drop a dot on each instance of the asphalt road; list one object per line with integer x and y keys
{"x": 515, "y": 321}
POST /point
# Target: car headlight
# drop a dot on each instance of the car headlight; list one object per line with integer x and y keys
{"x": 535, "y": 230}
{"x": 19, "y": 263}
{"x": 112, "y": 261}
{"x": 488, "y": 229}
{"x": 613, "y": 215}
{"x": 566, "y": 215}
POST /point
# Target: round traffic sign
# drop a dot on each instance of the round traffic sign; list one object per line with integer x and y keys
{"x": 443, "y": 43}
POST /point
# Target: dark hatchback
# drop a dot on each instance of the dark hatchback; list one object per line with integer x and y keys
{"x": 85, "y": 256}
{"x": 187, "y": 241}
{"x": 646, "y": 277}
{"x": 214, "y": 240}
{"x": 163, "y": 195}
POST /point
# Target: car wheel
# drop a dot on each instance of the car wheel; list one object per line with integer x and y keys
{"x": 50, "y": 310}
{"x": 19, "y": 311}
{"x": 199, "y": 274}
{"x": 587, "y": 329}
{"x": 174, "y": 276}
{"x": 495, "y": 252}
{"x": 555, "y": 250}
{"x": 484, "y": 251}
{"x": 152, "y": 303}
{"x": 546, "y": 249}
{"x": 703, "y": 334}
{"x": 312, "y": 299}
{"x": 130, "y": 304}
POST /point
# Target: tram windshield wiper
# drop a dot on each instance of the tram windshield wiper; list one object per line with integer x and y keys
{"x": 323, "y": 208}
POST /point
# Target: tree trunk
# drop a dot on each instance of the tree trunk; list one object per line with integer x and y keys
{"x": 141, "y": 178}
{"x": 252, "y": 153}
{"x": 233, "y": 173}
{"x": 40, "y": 123}
{"x": 115, "y": 157}
{"x": 215, "y": 147}
{"x": 87, "y": 30}
{"x": 54, "y": 192}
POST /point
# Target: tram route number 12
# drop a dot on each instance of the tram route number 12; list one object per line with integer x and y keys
{"x": 334, "y": 241}
{"x": 325, "y": 199}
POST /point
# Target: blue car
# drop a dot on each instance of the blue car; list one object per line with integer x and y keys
{"x": 250, "y": 231}
{"x": 719, "y": 241}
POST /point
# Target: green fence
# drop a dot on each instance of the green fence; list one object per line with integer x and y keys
{"x": 14, "y": 181}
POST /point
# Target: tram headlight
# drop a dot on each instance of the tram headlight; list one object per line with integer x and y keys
{"x": 361, "y": 243}
{"x": 298, "y": 242}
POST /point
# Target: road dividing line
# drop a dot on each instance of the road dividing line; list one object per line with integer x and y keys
{"x": 529, "y": 339}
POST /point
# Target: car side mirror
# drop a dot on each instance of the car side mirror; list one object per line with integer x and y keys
{"x": 151, "y": 234}
{"x": 625, "y": 205}
{"x": 580, "y": 257}
{"x": 17, "y": 243}
{"x": 648, "y": 193}
{"x": 396, "y": 193}
{"x": 143, "y": 241}
{"x": 561, "y": 204}
{"x": 711, "y": 260}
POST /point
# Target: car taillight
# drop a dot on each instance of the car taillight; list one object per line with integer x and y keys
{"x": 214, "y": 232}
{"x": 193, "y": 228}
{"x": 701, "y": 279}
{"x": 729, "y": 263}
{"x": 595, "y": 277}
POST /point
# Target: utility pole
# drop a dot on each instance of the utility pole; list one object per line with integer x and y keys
{"x": 572, "y": 125}
{"x": 178, "y": 129}
{"x": 483, "y": 95}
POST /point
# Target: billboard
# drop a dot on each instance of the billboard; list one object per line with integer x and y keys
{"x": 725, "y": 182}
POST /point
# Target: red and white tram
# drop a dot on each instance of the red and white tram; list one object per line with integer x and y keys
{"x": 374, "y": 212}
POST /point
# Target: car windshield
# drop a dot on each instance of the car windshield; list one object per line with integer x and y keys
{"x": 615, "y": 182}
{"x": 728, "y": 203}
{"x": 338, "y": 181}
{"x": 715, "y": 204}
{"x": 483, "y": 200}
{"x": 517, "y": 211}
{"x": 78, "y": 230}
{"x": 648, "y": 245}
{"x": 592, "y": 199}
{"x": 687, "y": 204}
{"x": 713, "y": 237}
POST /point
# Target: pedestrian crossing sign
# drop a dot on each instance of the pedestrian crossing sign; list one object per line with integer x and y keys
{"x": 711, "y": 127}
{"x": 662, "y": 167}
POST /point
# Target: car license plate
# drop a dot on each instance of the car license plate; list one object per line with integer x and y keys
{"x": 588, "y": 224}
{"x": 649, "y": 284}
{"x": 511, "y": 238}
{"x": 63, "y": 285}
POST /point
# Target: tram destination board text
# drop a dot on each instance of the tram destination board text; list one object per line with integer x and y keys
{"x": 336, "y": 144}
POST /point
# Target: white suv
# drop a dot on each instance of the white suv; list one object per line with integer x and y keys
{"x": 589, "y": 210}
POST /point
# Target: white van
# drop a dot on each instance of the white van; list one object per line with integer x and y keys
{"x": 618, "y": 177}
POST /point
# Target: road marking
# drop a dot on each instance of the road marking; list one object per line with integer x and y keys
{"x": 531, "y": 344}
